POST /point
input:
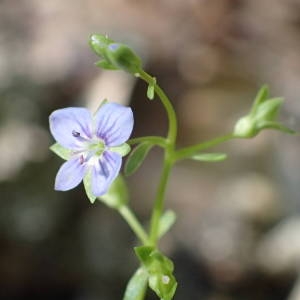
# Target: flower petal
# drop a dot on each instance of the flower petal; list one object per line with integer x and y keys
{"x": 70, "y": 174}
{"x": 114, "y": 123}
{"x": 105, "y": 172}
{"x": 70, "y": 126}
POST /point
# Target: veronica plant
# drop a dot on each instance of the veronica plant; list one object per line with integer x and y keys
{"x": 93, "y": 146}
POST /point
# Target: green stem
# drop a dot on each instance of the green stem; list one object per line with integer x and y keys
{"x": 157, "y": 140}
{"x": 191, "y": 150}
{"x": 172, "y": 132}
{"x": 159, "y": 201}
{"x": 134, "y": 224}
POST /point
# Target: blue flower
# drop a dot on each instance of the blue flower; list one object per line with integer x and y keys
{"x": 95, "y": 144}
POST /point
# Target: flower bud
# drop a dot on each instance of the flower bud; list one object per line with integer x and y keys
{"x": 121, "y": 56}
{"x": 99, "y": 43}
{"x": 263, "y": 115}
{"x": 245, "y": 128}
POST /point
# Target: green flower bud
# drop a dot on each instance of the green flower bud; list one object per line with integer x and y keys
{"x": 121, "y": 56}
{"x": 245, "y": 128}
{"x": 99, "y": 43}
{"x": 263, "y": 115}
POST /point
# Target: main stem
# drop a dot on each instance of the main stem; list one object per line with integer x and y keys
{"x": 168, "y": 153}
{"x": 159, "y": 200}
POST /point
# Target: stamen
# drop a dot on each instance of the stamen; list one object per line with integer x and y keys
{"x": 75, "y": 133}
{"x": 81, "y": 159}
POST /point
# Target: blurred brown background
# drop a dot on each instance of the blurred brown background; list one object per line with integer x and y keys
{"x": 238, "y": 231}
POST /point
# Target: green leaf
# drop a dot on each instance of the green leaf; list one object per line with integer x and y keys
{"x": 151, "y": 89}
{"x": 123, "y": 149}
{"x": 87, "y": 182}
{"x": 209, "y": 157}
{"x": 137, "y": 285}
{"x": 61, "y": 151}
{"x": 136, "y": 157}
{"x": 166, "y": 222}
{"x": 160, "y": 269}
{"x": 143, "y": 253}
{"x": 103, "y": 64}
{"x": 117, "y": 194}
{"x": 163, "y": 284}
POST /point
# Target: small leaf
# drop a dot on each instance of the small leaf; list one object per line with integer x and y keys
{"x": 103, "y": 64}
{"x": 166, "y": 222}
{"x": 136, "y": 157}
{"x": 209, "y": 157}
{"x": 160, "y": 269}
{"x": 117, "y": 194}
{"x": 87, "y": 182}
{"x": 151, "y": 89}
{"x": 144, "y": 254}
{"x": 137, "y": 285}
{"x": 61, "y": 151}
{"x": 163, "y": 284}
{"x": 123, "y": 149}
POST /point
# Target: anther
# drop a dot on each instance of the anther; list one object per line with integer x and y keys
{"x": 75, "y": 133}
{"x": 81, "y": 159}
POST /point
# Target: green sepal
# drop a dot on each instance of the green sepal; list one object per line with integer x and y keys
{"x": 99, "y": 43}
{"x": 123, "y": 149}
{"x": 261, "y": 96}
{"x": 117, "y": 194}
{"x": 166, "y": 221}
{"x": 87, "y": 182}
{"x": 62, "y": 152}
{"x": 151, "y": 89}
{"x": 268, "y": 110}
{"x": 209, "y": 157}
{"x": 136, "y": 157}
{"x": 103, "y": 64}
{"x": 137, "y": 285}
